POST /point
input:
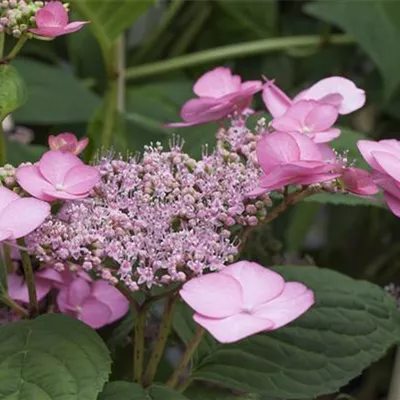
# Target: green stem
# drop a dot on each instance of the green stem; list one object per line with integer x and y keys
{"x": 17, "y": 48}
{"x": 14, "y": 306}
{"x": 232, "y": 51}
{"x": 190, "y": 349}
{"x": 3, "y": 148}
{"x": 394, "y": 390}
{"x": 158, "y": 350}
{"x": 138, "y": 345}
{"x": 7, "y": 258}
{"x": 29, "y": 279}
{"x": 2, "y": 39}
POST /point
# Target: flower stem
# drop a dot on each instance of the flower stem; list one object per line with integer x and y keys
{"x": 288, "y": 200}
{"x": 156, "y": 354}
{"x": 190, "y": 349}
{"x": 29, "y": 279}
{"x": 262, "y": 46}
{"x": 2, "y": 40}
{"x": 14, "y": 306}
{"x": 394, "y": 390}
{"x": 3, "y": 150}
{"x": 7, "y": 258}
{"x": 138, "y": 345}
{"x": 17, "y": 48}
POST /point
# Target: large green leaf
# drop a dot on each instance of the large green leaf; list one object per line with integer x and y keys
{"x": 343, "y": 199}
{"x": 53, "y": 357}
{"x": 108, "y": 19}
{"x": 12, "y": 90}
{"x": 375, "y": 27}
{"x": 55, "y": 95}
{"x": 18, "y": 153}
{"x": 120, "y": 390}
{"x": 352, "y": 324}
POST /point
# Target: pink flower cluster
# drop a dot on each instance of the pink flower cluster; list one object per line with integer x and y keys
{"x": 161, "y": 219}
{"x": 96, "y": 303}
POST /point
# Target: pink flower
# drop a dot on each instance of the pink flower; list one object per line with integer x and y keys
{"x": 44, "y": 282}
{"x": 244, "y": 299}
{"x": 339, "y": 92}
{"x": 52, "y": 21}
{"x": 290, "y": 159}
{"x": 20, "y": 216}
{"x": 67, "y": 142}
{"x": 58, "y": 175}
{"x": 384, "y": 158}
{"x": 310, "y": 117}
{"x": 219, "y": 94}
{"x": 95, "y": 304}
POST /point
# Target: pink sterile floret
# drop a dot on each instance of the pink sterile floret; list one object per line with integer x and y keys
{"x": 244, "y": 299}
{"x": 20, "y": 216}
{"x": 219, "y": 94}
{"x": 67, "y": 142}
{"x": 52, "y": 21}
{"x": 58, "y": 175}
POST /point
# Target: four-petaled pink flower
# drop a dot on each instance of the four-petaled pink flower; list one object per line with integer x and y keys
{"x": 310, "y": 117}
{"x": 244, "y": 299}
{"x": 20, "y": 216}
{"x": 337, "y": 91}
{"x": 67, "y": 142}
{"x": 220, "y": 94}
{"x": 289, "y": 159}
{"x": 97, "y": 304}
{"x": 52, "y": 21}
{"x": 58, "y": 175}
{"x": 384, "y": 158}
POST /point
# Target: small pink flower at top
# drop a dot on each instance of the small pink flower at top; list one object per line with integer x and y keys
{"x": 384, "y": 159}
{"x": 58, "y": 175}
{"x": 52, "y": 21}
{"x": 20, "y": 216}
{"x": 244, "y": 299}
{"x": 96, "y": 304}
{"x": 67, "y": 142}
{"x": 220, "y": 94}
{"x": 310, "y": 117}
{"x": 337, "y": 91}
{"x": 290, "y": 159}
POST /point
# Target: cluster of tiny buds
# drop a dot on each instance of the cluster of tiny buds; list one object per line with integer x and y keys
{"x": 394, "y": 291}
{"x": 8, "y": 179}
{"x": 17, "y": 16}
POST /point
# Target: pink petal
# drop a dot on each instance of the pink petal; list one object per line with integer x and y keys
{"x": 217, "y": 83}
{"x": 64, "y": 141}
{"x": 214, "y": 295}
{"x": 328, "y": 154}
{"x": 233, "y": 328}
{"x": 205, "y": 110}
{"x": 49, "y": 32}
{"x": 353, "y": 97}
{"x": 78, "y": 291}
{"x": 109, "y": 295}
{"x": 95, "y": 314}
{"x": 51, "y": 275}
{"x": 275, "y": 149}
{"x": 276, "y": 101}
{"x": 309, "y": 151}
{"x": 321, "y": 117}
{"x": 258, "y": 284}
{"x": 33, "y": 182}
{"x": 18, "y": 289}
{"x": 23, "y": 216}
{"x": 81, "y": 179}
{"x": 4, "y": 235}
{"x": 52, "y": 14}
{"x": 387, "y": 183}
{"x": 286, "y": 124}
{"x": 62, "y": 300}
{"x": 359, "y": 182}
{"x": 81, "y": 146}
{"x": 6, "y": 197}
{"x": 73, "y": 27}
{"x": 393, "y": 203}
{"x": 326, "y": 136}
{"x": 55, "y": 165}
{"x": 388, "y": 163}
{"x": 294, "y": 301}
{"x": 59, "y": 194}
{"x": 300, "y": 110}
{"x": 315, "y": 178}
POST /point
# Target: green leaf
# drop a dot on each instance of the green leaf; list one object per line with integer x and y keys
{"x": 352, "y": 325}
{"x": 12, "y": 90}
{"x": 343, "y": 199}
{"x": 55, "y": 96}
{"x": 109, "y": 19}
{"x": 120, "y": 390}
{"x": 202, "y": 392}
{"x": 18, "y": 153}
{"x": 375, "y": 28}
{"x": 259, "y": 16}
{"x": 54, "y": 357}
